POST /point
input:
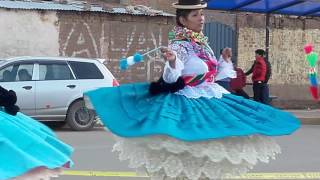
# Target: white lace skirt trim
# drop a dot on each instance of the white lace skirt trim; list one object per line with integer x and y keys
{"x": 162, "y": 156}
{"x": 40, "y": 173}
{"x": 206, "y": 89}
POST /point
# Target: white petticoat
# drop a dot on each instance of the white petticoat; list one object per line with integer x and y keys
{"x": 164, "y": 157}
{"x": 205, "y": 89}
{"x": 40, "y": 173}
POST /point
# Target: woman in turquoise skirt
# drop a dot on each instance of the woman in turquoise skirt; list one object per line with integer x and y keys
{"x": 28, "y": 149}
{"x": 185, "y": 125}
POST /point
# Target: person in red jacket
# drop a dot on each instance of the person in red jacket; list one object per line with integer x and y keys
{"x": 260, "y": 77}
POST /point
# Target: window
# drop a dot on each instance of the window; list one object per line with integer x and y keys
{"x": 5, "y": 74}
{"x": 54, "y": 71}
{"x": 86, "y": 70}
{"x": 16, "y": 72}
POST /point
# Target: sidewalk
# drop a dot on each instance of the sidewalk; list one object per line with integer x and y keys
{"x": 307, "y": 116}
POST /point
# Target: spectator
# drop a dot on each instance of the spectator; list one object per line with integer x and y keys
{"x": 225, "y": 69}
{"x": 261, "y": 71}
{"x": 6, "y": 76}
{"x": 24, "y": 75}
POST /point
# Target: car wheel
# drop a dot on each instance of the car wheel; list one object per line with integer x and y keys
{"x": 80, "y": 118}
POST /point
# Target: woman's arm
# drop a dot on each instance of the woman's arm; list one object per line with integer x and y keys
{"x": 250, "y": 70}
{"x": 175, "y": 57}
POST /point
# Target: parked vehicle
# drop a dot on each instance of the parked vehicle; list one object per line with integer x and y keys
{"x": 51, "y": 88}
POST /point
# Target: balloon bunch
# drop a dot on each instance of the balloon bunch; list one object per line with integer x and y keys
{"x": 124, "y": 63}
{"x": 312, "y": 59}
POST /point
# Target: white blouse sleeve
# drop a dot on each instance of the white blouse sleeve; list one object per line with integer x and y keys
{"x": 170, "y": 75}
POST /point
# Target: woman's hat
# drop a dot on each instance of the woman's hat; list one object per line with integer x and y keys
{"x": 189, "y": 4}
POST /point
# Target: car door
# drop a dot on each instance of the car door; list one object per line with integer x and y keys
{"x": 55, "y": 90}
{"x": 18, "y": 76}
{"x": 89, "y": 76}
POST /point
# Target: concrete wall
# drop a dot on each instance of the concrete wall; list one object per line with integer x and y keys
{"x": 92, "y": 35}
{"x": 28, "y": 33}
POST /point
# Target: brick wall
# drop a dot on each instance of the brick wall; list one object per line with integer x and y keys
{"x": 288, "y": 35}
{"x": 114, "y": 36}
{"x": 221, "y": 17}
{"x": 140, "y": 2}
{"x": 164, "y": 5}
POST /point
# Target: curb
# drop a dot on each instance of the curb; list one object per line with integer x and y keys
{"x": 307, "y": 117}
{"x": 310, "y": 121}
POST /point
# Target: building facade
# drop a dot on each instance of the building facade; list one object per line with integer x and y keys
{"x": 116, "y": 33}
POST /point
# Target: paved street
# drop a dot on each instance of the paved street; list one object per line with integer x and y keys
{"x": 300, "y": 154}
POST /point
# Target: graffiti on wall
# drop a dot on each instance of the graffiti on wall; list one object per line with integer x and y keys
{"x": 114, "y": 40}
{"x": 142, "y": 38}
{"x": 78, "y": 41}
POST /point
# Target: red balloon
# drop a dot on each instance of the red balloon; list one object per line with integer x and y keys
{"x": 308, "y": 48}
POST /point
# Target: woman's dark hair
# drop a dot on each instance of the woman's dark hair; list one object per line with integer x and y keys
{"x": 221, "y": 51}
{"x": 260, "y": 52}
{"x": 182, "y": 13}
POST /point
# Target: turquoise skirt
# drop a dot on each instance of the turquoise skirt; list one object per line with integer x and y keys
{"x": 130, "y": 111}
{"x": 26, "y": 144}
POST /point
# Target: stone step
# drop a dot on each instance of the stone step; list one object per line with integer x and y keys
{"x": 310, "y": 117}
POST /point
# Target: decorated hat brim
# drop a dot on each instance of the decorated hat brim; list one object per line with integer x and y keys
{"x": 198, "y": 6}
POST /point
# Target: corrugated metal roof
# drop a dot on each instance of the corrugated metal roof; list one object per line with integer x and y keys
{"x": 288, "y": 7}
{"x": 139, "y": 10}
{"x": 80, "y": 6}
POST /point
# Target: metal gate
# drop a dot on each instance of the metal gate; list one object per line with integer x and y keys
{"x": 221, "y": 36}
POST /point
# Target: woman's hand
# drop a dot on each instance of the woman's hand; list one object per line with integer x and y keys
{"x": 169, "y": 56}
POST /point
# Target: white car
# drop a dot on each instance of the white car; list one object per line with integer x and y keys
{"x": 51, "y": 88}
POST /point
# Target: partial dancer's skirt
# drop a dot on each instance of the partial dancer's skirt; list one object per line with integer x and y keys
{"x": 29, "y": 150}
{"x": 172, "y": 136}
